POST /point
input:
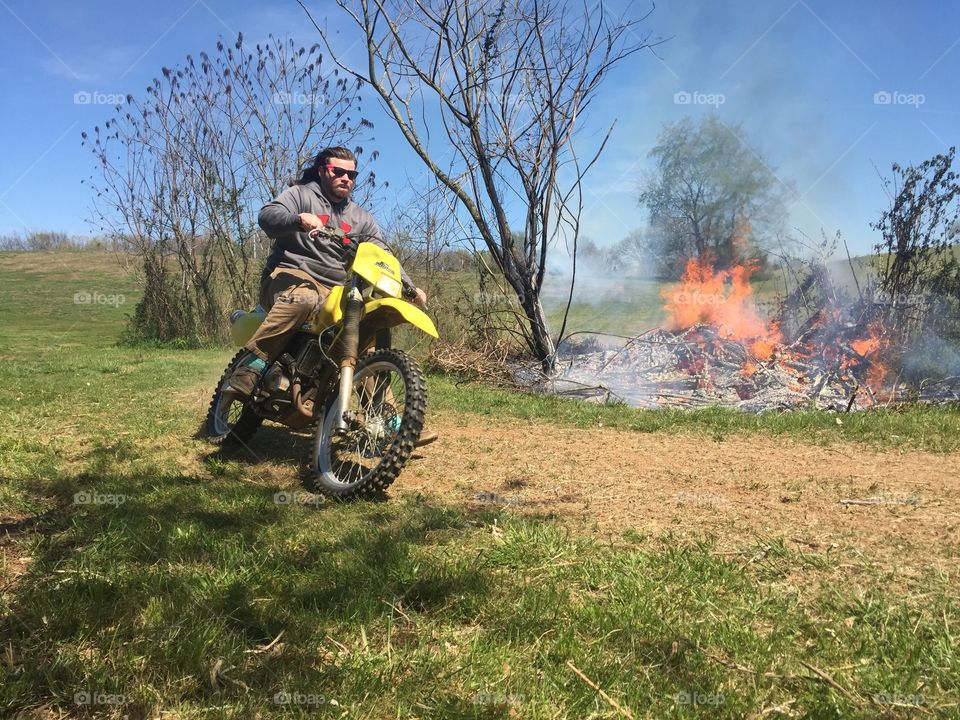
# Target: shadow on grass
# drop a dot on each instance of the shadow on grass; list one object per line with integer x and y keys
{"x": 181, "y": 570}
{"x": 273, "y": 443}
{"x": 278, "y": 444}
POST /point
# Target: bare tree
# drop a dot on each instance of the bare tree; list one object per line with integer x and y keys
{"x": 920, "y": 271}
{"x": 504, "y": 85}
{"x": 921, "y": 229}
{"x": 40, "y": 241}
{"x": 183, "y": 172}
{"x": 420, "y": 229}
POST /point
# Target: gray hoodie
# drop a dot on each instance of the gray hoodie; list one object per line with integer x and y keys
{"x": 326, "y": 260}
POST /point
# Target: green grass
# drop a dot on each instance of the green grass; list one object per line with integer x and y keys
{"x": 413, "y": 610}
{"x": 931, "y": 428}
{"x": 141, "y": 563}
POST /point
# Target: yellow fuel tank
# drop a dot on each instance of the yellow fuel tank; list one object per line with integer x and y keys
{"x": 244, "y": 324}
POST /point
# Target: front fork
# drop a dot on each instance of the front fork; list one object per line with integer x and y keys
{"x": 349, "y": 344}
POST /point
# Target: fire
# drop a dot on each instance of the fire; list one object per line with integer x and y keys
{"x": 723, "y": 299}
{"x": 872, "y": 348}
{"x": 866, "y": 345}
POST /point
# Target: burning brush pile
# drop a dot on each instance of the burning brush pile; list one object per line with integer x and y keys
{"x": 716, "y": 349}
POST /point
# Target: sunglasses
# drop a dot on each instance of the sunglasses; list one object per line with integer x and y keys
{"x": 340, "y": 172}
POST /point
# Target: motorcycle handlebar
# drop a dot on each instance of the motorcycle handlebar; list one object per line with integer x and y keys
{"x": 337, "y": 234}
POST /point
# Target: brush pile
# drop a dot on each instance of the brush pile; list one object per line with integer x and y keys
{"x": 698, "y": 367}
{"x": 716, "y": 350}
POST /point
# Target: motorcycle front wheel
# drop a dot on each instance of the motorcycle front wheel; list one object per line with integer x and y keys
{"x": 384, "y": 421}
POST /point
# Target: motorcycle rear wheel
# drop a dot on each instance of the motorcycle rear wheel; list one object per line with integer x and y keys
{"x": 230, "y": 420}
{"x": 385, "y": 420}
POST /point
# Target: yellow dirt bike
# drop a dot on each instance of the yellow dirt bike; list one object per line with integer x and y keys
{"x": 339, "y": 371}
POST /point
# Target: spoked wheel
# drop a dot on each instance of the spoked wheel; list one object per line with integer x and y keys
{"x": 384, "y": 421}
{"x": 230, "y": 420}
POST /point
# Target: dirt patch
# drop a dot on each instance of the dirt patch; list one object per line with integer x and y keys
{"x": 739, "y": 489}
{"x": 14, "y": 560}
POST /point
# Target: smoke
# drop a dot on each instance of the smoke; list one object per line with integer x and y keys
{"x": 933, "y": 355}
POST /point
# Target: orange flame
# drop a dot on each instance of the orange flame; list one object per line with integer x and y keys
{"x": 873, "y": 348}
{"x": 723, "y": 299}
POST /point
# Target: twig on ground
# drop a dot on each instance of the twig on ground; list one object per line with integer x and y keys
{"x": 833, "y": 683}
{"x": 487, "y": 364}
{"x": 853, "y": 396}
{"x": 219, "y": 673}
{"x": 874, "y": 501}
{"x": 613, "y": 703}
{"x": 268, "y": 646}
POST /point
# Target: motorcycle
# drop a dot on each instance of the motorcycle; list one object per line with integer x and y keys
{"x": 339, "y": 372}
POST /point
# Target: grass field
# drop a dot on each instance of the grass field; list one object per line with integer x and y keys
{"x": 145, "y": 575}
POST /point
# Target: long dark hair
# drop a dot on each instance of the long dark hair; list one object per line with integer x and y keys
{"x": 311, "y": 173}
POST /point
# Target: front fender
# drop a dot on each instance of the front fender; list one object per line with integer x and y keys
{"x": 411, "y": 313}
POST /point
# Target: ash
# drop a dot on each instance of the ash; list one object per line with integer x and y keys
{"x": 697, "y": 367}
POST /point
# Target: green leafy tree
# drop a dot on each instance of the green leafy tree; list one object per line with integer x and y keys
{"x": 711, "y": 194}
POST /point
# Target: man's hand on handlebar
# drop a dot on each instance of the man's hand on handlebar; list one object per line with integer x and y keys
{"x": 420, "y": 300}
{"x": 415, "y": 295}
{"x": 309, "y": 221}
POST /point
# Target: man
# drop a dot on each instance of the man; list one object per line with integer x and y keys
{"x": 301, "y": 270}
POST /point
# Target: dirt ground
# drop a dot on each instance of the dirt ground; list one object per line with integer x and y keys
{"x": 743, "y": 489}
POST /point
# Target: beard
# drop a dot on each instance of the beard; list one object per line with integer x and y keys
{"x": 335, "y": 191}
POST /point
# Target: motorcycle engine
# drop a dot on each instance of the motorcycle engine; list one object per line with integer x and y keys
{"x": 303, "y": 359}
{"x": 275, "y": 381}
{"x": 274, "y": 396}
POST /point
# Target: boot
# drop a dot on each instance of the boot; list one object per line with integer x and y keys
{"x": 243, "y": 380}
{"x": 426, "y": 437}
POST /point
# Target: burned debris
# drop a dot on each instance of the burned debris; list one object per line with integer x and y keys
{"x": 821, "y": 351}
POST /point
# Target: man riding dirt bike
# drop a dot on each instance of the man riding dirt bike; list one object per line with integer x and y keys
{"x": 329, "y": 265}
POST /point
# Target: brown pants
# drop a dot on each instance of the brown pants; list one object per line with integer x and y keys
{"x": 290, "y": 297}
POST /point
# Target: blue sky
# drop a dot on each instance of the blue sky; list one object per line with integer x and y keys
{"x": 827, "y": 91}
